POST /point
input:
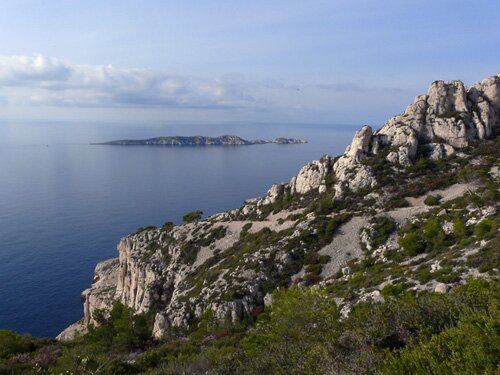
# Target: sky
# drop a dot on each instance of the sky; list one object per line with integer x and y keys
{"x": 309, "y": 61}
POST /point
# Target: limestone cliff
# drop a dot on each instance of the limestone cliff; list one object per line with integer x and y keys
{"x": 303, "y": 231}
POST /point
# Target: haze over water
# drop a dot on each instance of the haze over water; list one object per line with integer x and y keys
{"x": 64, "y": 204}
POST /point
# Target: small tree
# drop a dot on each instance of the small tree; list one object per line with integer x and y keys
{"x": 192, "y": 216}
{"x": 432, "y": 200}
{"x": 167, "y": 225}
{"x": 412, "y": 244}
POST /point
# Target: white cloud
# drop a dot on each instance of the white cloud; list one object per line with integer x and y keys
{"x": 58, "y": 83}
{"x": 38, "y": 86}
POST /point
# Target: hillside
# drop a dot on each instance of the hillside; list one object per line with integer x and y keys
{"x": 225, "y": 140}
{"x": 383, "y": 259}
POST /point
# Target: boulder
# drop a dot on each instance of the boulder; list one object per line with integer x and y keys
{"x": 441, "y": 288}
{"x": 360, "y": 145}
{"x": 311, "y": 176}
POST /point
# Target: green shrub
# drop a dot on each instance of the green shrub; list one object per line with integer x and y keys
{"x": 314, "y": 268}
{"x": 397, "y": 203}
{"x": 290, "y": 336}
{"x": 189, "y": 252}
{"x": 459, "y": 228}
{"x": 423, "y": 274}
{"x": 432, "y": 231}
{"x": 192, "y": 216}
{"x": 383, "y": 227}
{"x": 122, "y": 329}
{"x": 168, "y": 225}
{"x": 412, "y": 244}
{"x": 118, "y": 367}
{"x": 432, "y": 200}
{"x": 215, "y": 234}
{"x": 392, "y": 290}
{"x": 472, "y": 347}
{"x": 245, "y": 229}
{"x": 486, "y": 259}
{"x": 486, "y": 228}
{"x": 12, "y": 343}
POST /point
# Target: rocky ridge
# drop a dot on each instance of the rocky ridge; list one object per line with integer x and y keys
{"x": 233, "y": 261}
{"x": 439, "y": 123}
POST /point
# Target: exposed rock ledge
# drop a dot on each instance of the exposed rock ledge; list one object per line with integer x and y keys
{"x": 151, "y": 273}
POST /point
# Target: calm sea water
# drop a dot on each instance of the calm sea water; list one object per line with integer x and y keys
{"x": 64, "y": 204}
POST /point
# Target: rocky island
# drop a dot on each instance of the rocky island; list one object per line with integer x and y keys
{"x": 225, "y": 140}
{"x": 384, "y": 259}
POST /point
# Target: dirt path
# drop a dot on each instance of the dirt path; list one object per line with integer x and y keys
{"x": 452, "y": 192}
{"x": 417, "y": 205}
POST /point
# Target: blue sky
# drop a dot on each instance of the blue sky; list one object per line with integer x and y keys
{"x": 344, "y": 62}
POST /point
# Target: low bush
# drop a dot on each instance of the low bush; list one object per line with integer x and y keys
{"x": 192, "y": 216}
{"x": 486, "y": 228}
{"x": 432, "y": 200}
{"x": 412, "y": 244}
{"x": 382, "y": 228}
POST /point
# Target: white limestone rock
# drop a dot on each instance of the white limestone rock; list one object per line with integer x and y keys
{"x": 376, "y": 297}
{"x": 268, "y": 299}
{"x": 441, "y": 288}
{"x": 73, "y": 331}
{"x": 160, "y": 326}
{"x": 403, "y": 138}
{"x": 436, "y": 151}
{"x": 102, "y": 291}
{"x": 449, "y": 113}
{"x": 445, "y": 97}
{"x": 311, "y": 176}
{"x": 273, "y": 194}
{"x": 349, "y": 172}
{"x": 360, "y": 145}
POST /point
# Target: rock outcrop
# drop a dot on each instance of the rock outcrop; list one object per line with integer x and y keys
{"x": 437, "y": 124}
{"x": 449, "y": 117}
{"x": 312, "y": 176}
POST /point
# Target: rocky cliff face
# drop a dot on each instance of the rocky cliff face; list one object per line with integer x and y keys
{"x": 231, "y": 262}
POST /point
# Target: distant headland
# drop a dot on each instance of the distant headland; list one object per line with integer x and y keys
{"x": 225, "y": 140}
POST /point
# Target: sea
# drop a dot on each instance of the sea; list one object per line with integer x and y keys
{"x": 65, "y": 204}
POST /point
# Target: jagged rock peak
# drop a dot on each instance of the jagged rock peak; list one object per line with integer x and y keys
{"x": 438, "y": 123}
{"x": 448, "y": 117}
{"x": 360, "y": 144}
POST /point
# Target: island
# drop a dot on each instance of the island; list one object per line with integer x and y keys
{"x": 225, "y": 140}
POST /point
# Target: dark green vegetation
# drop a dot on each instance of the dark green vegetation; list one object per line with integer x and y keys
{"x": 192, "y": 216}
{"x": 380, "y": 230}
{"x": 432, "y": 200}
{"x": 301, "y": 333}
